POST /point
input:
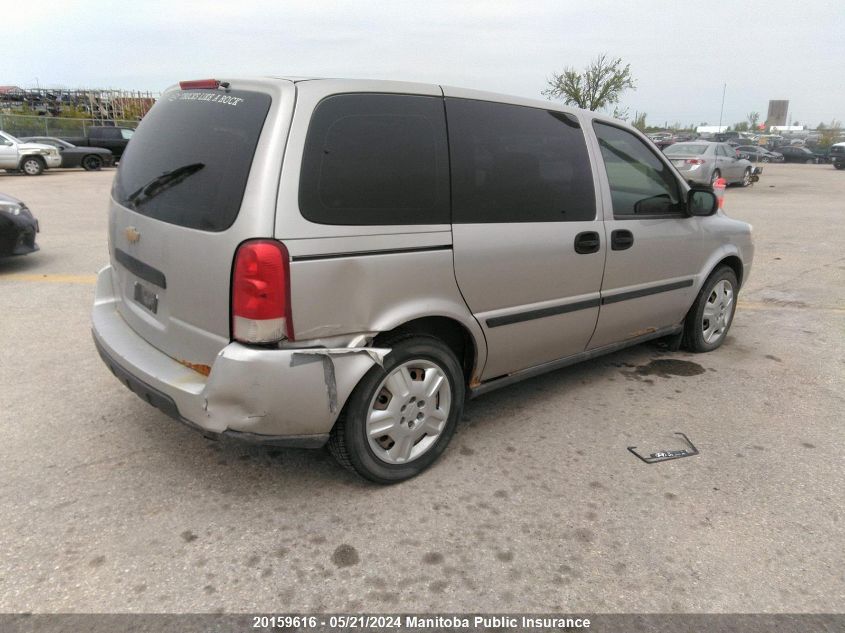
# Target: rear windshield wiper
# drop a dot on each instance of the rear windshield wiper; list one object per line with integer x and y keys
{"x": 162, "y": 183}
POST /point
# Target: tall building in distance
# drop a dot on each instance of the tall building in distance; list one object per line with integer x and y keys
{"x": 778, "y": 111}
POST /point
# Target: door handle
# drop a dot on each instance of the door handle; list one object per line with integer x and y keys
{"x": 587, "y": 242}
{"x": 621, "y": 239}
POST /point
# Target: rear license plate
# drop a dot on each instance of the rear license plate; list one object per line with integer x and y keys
{"x": 146, "y": 298}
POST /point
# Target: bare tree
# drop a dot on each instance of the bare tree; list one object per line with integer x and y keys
{"x": 753, "y": 118}
{"x": 639, "y": 121}
{"x": 598, "y": 86}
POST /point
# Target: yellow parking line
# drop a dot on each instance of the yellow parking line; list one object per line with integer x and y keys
{"x": 54, "y": 279}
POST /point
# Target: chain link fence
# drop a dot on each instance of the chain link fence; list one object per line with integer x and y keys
{"x": 24, "y": 125}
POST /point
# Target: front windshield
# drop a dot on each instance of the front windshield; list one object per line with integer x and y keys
{"x": 685, "y": 149}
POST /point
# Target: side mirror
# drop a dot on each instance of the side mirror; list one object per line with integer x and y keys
{"x": 702, "y": 202}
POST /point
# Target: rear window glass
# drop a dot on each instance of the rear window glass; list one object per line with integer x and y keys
{"x": 685, "y": 149}
{"x": 190, "y": 157}
{"x": 517, "y": 164}
{"x": 376, "y": 159}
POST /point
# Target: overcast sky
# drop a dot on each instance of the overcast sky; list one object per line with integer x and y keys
{"x": 681, "y": 53}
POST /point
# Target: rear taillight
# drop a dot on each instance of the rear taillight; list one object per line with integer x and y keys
{"x": 261, "y": 293}
{"x": 694, "y": 161}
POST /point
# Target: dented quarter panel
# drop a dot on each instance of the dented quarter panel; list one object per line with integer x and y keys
{"x": 377, "y": 292}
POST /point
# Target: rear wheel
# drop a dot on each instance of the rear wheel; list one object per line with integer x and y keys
{"x": 400, "y": 417}
{"x": 710, "y": 317}
{"x": 92, "y": 163}
{"x": 32, "y": 166}
{"x": 716, "y": 175}
{"x": 765, "y": 159}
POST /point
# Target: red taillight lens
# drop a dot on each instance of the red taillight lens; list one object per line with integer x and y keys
{"x": 261, "y": 293}
{"x": 694, "y": 161}
{"x": 198, "y": 84}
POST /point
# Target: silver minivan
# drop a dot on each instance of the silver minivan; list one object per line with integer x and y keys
{"x": 298, "y": 262}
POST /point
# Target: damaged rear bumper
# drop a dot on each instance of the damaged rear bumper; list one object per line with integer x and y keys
{"x": 282, "y": 397}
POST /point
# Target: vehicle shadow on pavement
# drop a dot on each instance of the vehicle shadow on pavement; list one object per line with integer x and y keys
{"x": 220, "y": 463}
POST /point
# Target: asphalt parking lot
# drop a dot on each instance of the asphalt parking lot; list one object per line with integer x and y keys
{"x": 107, "y": 505}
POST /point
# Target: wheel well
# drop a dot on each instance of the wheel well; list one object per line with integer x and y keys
{"x": 451, "y": 332}
{"x": 26, "y": 157}
{"x": 735, "y": 264}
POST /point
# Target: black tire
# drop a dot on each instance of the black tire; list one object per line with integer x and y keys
{"x": 32, "y": 165}
{"x": 92, "y": 162}
{"x": 765, "y": 159}
{"x": 348, "y": 441}
{"x": 746, "y": 177}
{"x": 715, "y": 176}
{"x": 694, "y": 339}
{"x": 839, "y": 165}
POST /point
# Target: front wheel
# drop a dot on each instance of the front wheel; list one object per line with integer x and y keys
{"x": 92, "y": 163}
{"x": 746, "y": 177}
{"x": 32, "y": 166}
{"x": 765, "y": 159}
{"x": 710, "y": 317}
{"x": 839, "y": 165}
{"x": 400, "y": 417}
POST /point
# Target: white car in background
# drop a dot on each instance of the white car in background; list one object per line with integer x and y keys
{"x": 30, "y": 158}
{"x": 703, "y": 162}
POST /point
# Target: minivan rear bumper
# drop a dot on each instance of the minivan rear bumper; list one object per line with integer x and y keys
{"x": 282, "y": 397}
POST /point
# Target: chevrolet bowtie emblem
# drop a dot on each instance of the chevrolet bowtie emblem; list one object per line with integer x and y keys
{"x": 132, "y": 234}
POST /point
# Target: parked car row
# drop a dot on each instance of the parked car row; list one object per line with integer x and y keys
{"x": 102, "y": 146}
{"x": 89, "y": 158}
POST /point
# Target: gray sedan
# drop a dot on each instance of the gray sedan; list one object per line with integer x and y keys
{"x": 702, "y": 162}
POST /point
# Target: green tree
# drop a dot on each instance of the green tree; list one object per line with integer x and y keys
{"x": 597, "y": 87}
{"x": 829, "y": 134}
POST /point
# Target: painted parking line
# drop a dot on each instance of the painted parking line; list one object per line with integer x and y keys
{"x": 52, "y": 279}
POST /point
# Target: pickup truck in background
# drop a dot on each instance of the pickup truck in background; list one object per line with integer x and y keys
{"x": 106, "y": 136}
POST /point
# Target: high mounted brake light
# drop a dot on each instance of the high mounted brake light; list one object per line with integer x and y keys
{"x": 261, "y": 293}
{"x": 197, "y": 84}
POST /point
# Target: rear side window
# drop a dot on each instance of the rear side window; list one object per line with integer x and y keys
{"x": 640, "y": 183}
{"x": 376, "y": 159}
{"x": 517, "y": 164}
{"x": 190, "y": 157}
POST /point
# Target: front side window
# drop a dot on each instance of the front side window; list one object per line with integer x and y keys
{"x": 640, "y": 183}
{"x": 376, "y": 159}
{"x": 126, "y": 134}
{"x": 517, "y": 164}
